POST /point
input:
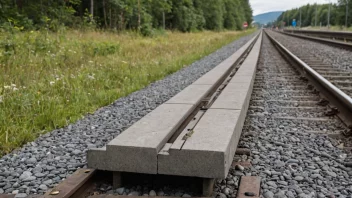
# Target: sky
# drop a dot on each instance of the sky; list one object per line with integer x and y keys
{"x": 263, "y": 6}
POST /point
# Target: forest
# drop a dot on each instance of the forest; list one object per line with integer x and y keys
{"x": 317, "y": 15}
{"x": 140, "y": 15}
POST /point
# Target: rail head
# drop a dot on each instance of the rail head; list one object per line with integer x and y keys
{"x": 343, "y": 97}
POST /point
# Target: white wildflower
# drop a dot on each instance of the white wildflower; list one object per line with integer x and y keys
{"x": 15, "y": 89}
{"x": 91, "y": 77}
{"x": 52, "y": 82}
{"x": 7, "y": 87}
{"x": 1, "y": 99}
{"x": 13, "y": 85}
{"x": 90, "y": 62}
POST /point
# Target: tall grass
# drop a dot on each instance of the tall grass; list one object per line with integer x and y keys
{"x": 50, "y": 80}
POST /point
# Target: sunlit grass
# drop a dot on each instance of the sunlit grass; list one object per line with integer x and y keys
{"x": 50, "y": 80}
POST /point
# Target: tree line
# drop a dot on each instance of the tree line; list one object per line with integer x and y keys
{"x": 318, "y": 14}
{"x": 141, "y": 15}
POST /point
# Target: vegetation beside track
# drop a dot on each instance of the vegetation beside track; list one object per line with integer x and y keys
{"x": 49, "y": 80}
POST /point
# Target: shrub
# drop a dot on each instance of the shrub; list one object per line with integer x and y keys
{"x": 100, "y": 48}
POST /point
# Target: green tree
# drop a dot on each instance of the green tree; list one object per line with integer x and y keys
{"x": 140, "y": 15}
{"x": 342, "y": 12}
{"x": 309, "y": 12}
{"x": 213, "y": 13}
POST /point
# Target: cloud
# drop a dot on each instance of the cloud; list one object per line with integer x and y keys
{"x": 263, "y": 6}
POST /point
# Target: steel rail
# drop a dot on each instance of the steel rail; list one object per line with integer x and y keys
{"x": 341, "y": 99}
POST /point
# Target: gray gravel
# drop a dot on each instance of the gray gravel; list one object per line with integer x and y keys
{"x": 337, "y": 57}
{"x": 42, "y": 164}
{"x": 291, "y": 160}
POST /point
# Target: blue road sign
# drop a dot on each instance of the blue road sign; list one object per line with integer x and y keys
{"x": 294, "y": 24}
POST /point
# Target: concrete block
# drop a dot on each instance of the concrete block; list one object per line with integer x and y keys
{"x": 237, "y": 86}
{"x": 250, "y": 64}
{"x": 209, "y": 151}
{"x": 233, "y": 97}
{"x": 246, "y": 71}
{"x": 242, "y": 79}
{"x": 136, "y": 149}
{"x": 96, "y": 158}
{"x": 193, "y": 94}
{"x": 252, "y": 59}
{"x": 212, "y": 77}
{"x": 165, "y": 149}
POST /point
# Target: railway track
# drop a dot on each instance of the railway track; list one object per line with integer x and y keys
{"x": 288, "y": 134}
{"x": 340, "y": 79}
{"x": 285, "y": 149}
{"x": 338, "y": 39}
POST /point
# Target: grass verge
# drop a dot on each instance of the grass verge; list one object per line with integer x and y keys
{"x": 50, "y": 80}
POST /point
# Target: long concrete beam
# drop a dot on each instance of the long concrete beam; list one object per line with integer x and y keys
{"x": 209, "y": 151}
{"x": 137, "y": 149}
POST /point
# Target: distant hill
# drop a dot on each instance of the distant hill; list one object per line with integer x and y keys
{"x": 267, "y": 17}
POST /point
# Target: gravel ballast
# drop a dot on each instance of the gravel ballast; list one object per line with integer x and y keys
{"x": 294, "y": 158}
{"x": 42, "y": 164}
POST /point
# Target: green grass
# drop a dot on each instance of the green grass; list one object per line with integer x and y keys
{"x": 50, "y": 80}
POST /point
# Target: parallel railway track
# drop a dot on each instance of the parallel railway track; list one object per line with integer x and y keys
{"x": 334, "y": 35}
{"x": 287, "y": 131}
{"x": 338, "y": 39}
{"x": 335, "y": 84}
